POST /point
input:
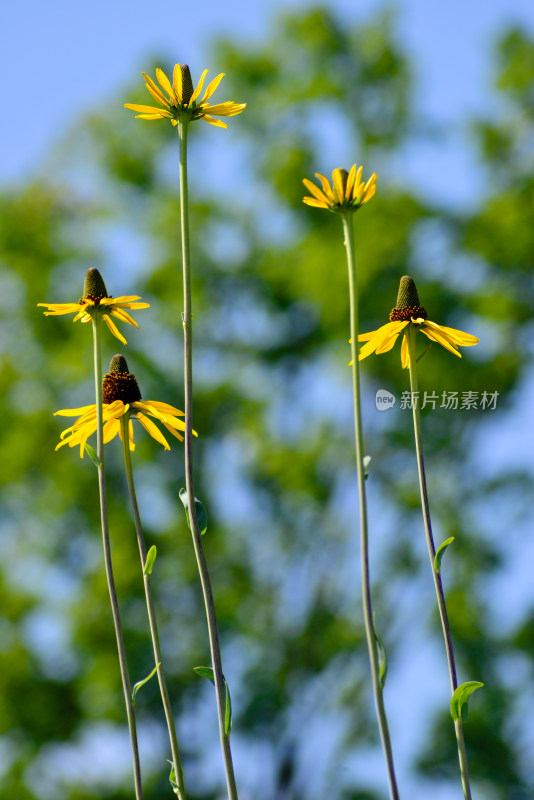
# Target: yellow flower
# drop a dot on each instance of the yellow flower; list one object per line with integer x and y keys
{"x": 96, "y": 300}
{"x": 408, "y": 312}
{"x": 347, "y": 193}
{"x": 121, "y": 398}
{"x": 181, "y": 100}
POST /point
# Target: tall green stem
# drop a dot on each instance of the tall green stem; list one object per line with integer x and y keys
{"x": 364, "y": 538}
{"x": 178, "y": 772}
{"x": 414, "y": 386}
{"x": 126, "y": 685}
{"x": 189, "y": 484}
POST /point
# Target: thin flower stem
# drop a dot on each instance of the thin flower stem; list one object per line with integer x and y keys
{"x": 195, "y": 530}
{"x": 364, "y": 538}
{"x": 126, "y": 685}
{"x": 414, "y": 387}
{"x": 158, "y": 659}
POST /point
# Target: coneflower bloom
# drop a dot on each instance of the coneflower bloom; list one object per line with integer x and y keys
{"x": 95, "y": 300}
{"x": 408, "y": 311}
{"x": 347, "y": 192}
{"x": 121, "y": 397}
{"x": 180, "y": 99}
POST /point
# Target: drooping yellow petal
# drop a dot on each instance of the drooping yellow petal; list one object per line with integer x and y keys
{"x": 405, "y": 352}
{"x": 111, "y": 429}
{"x": 164, "y": 82}
{"x": 152, "y": 429}
{"x": 114, "y": 330}
{"x": 218, "y": 123}
{"x": 163, "y": 407}
{"x": 458, "y": 337}
{"x": 198, "y": 89}
{"x": 383, "y": 340}
{"x": 211, "y": 87}
{"x": 177, "y": 82}
{"x": 435, "y": 336}
{"x": 171, "y": 430}
{"x": 124, "y": 316}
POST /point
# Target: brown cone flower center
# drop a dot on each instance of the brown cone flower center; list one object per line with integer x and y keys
{"x": 406, "y": 314}
{"x": 119, "y": 384}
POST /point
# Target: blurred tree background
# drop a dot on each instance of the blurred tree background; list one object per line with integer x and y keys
{"x": 275, "y": 454}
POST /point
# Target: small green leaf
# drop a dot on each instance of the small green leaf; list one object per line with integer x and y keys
{"x": 202, "y": 517}
{"x": 92, "y": 455}
{"x": 138, "y": 685}
{"x": 150, "y": 559}
{"x": 172, "y": 779}
{"x": 440, "y": 551}
{"x": 207, "y": 672}
{"x": 366, "y": 462}
{"x": 382, "y": 657}
{"x": 460, "y": 699}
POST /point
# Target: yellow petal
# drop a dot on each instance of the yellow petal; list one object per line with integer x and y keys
{"x": 405, "y": 352}
{"x": 226, "y": 109}
{"x": 311, "y": 201}
{"x": 316, "y": 192}
{"x": 212, "y": 121}
{"x": 337, "y": 182}
{"x": 434, "y": 336}
{"x": 152, "y": 429}
{"x": 164, "y": 82}
{"x": 147, "y": 109}
{"x": 200, "y": 84}
{"x": 211, "y": 87}
{"x": 368, "y": 194}
{"x": 171, "y": 430}
{"x": 459, "y": 337}
{"x": 124, "y": 316}
{"x": 164, "y": 408}
{"x": 114, "y": 330}
{"x": 177, "y": 82}
{"x": 156, "y": 91}
{"x": 357, "y": 184}
{"x": 326, "y": 187}
{"x": 111, "y": 429}
{"x": 157, "y": 95}
{"x": 350, "y": 182}
{"x": 73, "y": 412}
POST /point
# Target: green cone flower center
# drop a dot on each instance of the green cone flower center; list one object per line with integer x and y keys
{"x": 408, "y": 305}
{"x": 187, "y": 84}
{"x": 119, "y": 384}
{"x": 94, "y": 287}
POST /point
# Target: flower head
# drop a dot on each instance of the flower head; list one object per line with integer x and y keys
{"x": 408, "y": 311}
{"x": 179, "y": 100}
{"x": 121, "y": 398}
{"x": 95, "y": 300}
{"x": 347, "y": 193}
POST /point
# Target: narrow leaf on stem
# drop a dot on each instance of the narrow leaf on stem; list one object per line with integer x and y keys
{"x": 138, "y": 685}
{"x": 92, "y": 455}
{"x": 460, "y": 699}
{"x": 207, "y": 672}
{"x": 150, "y": 559}
{"x": 202, "y": 517}
{"x": 440, "y": 552}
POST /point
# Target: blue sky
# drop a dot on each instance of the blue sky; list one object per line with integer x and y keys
{"x": 68, "y": 57}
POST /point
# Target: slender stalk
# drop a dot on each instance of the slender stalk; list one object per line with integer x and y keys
{"x": 195, "y": 531}
{"x": 414, "y": 386}
{"x": 364, "y": 538}
{"x": 126, "y": 685}
{"x": 152, "y": 614}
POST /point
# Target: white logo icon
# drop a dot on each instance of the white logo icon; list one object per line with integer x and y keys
{"x": 384, "y": 400}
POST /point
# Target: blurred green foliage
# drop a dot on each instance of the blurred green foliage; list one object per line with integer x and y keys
{"x": 275, "y": 456}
